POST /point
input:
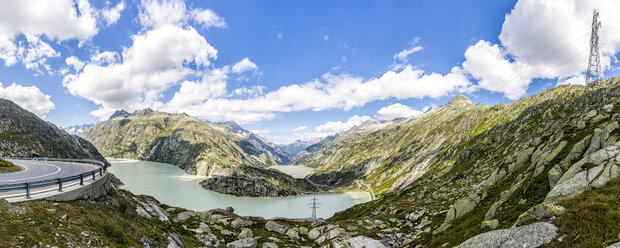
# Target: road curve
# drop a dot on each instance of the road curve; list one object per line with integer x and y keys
{"x": 34, "y": 170}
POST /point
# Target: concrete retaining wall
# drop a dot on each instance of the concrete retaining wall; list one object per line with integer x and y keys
{"x": 91, "y": 191}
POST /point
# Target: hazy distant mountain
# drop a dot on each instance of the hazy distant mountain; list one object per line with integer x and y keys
{"x": 265, "y": 146}
{"x": 294, "y": 148}
{"x": 77, "y": 129}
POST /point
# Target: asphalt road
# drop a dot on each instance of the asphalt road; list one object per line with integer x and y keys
{"x": 43, "y": 170}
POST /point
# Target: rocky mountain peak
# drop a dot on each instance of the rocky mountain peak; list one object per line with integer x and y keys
{"x": 143, "y": 112}
{"x": 120, "y": 113}
{"x": 459, "y": 100}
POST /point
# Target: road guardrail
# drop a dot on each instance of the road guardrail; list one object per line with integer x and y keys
{"x": 57, "y": 181}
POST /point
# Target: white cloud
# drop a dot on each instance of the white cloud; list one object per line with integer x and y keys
{"x": 104, "y": 58}
{"x": 330, "y": 92}
{"x": 156, "y": 13}
{"x": 244, "y": 65}
{"x": 26, "y": 28}
{"x": 402, "y": 55}
{"x": 333, "y": 127}
{"x": 488, "y": 63}
{"x": 157, "y": 59}
{"x": 74, "y": 62}
{"x": 207, "y": 18}
{"x": 300, "y": 128}
{"x": 35, "y": 53}
{"x": 28, "y": 97}
{"x": 111, "y": 15}
{"x": 543, "y": 39}
{"x": 396, "y": 110}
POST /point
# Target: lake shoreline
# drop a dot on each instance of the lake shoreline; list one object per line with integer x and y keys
{"x": 171, "y": 186}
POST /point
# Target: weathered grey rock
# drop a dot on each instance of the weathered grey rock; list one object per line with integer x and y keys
{"x": 363, "y": 242}
{"x": 275, "y": 227}
{"x": 243, "y": 243}
{"x": 616, "y": 245}
{"x": 315, "y": 233}
{"x": 461, "y": 207}
{"x": 538, "y": 212}
{"x": 240, "y": 222}
{"x": 291, "y": 233}
{"x": 522, "y": 158}
{"x": 245, "y": 233}
{"x": 203, "y": 228}
{"x": 183, "y": 216}
{"x": 175, "y": 241}
{"x": 489, "y": 224}
{"x": 227, "y": 232}
{"x": 140, "y": 210}
{"x": 532, "y": 235}
{"x": 270, "y": 245}
{"x": 578, "y": 178}
{"x": 554, "y": 175}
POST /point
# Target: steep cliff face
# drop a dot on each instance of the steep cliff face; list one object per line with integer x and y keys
{"x": 196, "y": 146}
{"x": 521, "y": 167}
{"x": 23, "y": 134}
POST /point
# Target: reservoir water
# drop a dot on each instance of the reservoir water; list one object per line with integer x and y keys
{"x": 172, "y": 186}
{"x": 296, "y": 171}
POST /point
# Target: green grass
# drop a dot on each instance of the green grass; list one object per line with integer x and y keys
{"x": 6, "y": 167}
{"x": 591, "y": 218}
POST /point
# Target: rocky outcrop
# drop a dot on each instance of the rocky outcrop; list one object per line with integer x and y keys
{"x": 243, "y": 186}
{"x": 23, "y": 134}
{"x": 593, "y": 171}
{"x": 532, "y": 235}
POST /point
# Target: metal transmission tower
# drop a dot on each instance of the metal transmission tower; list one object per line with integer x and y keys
{"x": 594, "y": 62}
{"x": 314, "y": 205}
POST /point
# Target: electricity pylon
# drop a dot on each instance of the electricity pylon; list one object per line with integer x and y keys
{"x": 594, "y": 62}
{"x": 314, "y": 205}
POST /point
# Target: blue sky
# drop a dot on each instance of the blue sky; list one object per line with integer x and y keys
{"x": 290, "y": 69}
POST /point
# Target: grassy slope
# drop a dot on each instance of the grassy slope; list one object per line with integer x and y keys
{"x": 7, "y": 167}
{"x": 551, "y": 115}
{"x": 591, "y": 219}
{"x": 106, "y": 221}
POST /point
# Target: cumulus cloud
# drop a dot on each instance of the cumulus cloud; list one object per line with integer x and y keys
{"x": 104, "y": 58}
{"x": 396, "y": 110}
{"x": 74, "y": 62}
{"x": 543, "y": 39}
{"x": 111, "y": 15}
{"x": 244, "y": 65}
{"x": 156, "y": 60}
{"x": 342, "y": 91}
{"x": 333, "y": 127}
{"x": 155, "y": 13}
{"x": 207, "y": 18}
{"x": 62, "y": 20}
{"x": 28, "y": 97}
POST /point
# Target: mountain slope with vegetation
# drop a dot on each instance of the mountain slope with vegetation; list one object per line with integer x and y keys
{"x": 520, "y": 168}
{"x": 200, "y": 148}
{"x": 196, "y": 146}
{"x": 23, "y": 134}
